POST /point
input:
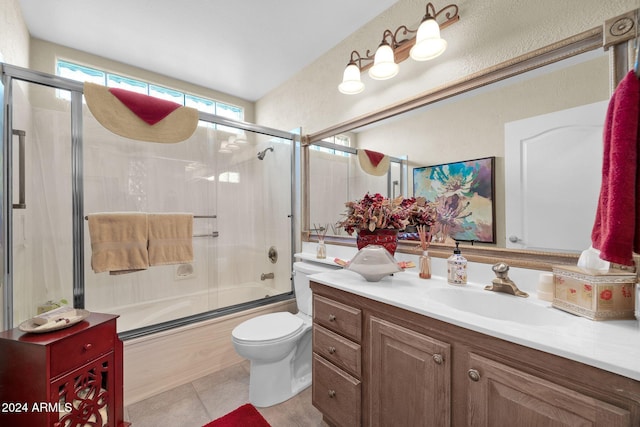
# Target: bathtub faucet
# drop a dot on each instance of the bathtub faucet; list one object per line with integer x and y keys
{"x": 265, "y": 276}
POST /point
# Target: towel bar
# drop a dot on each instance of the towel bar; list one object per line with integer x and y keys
{"x": 195, "y": 216}
{"x": 212, "y": 234}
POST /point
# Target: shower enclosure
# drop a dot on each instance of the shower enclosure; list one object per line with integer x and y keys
{"x": 60, "y": 164}
{"x": 346, "y": 181}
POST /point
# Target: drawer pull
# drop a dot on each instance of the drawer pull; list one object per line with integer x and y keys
{"x": 331, "y": 350}
{"x": 332, "y": 394}
{"x": 438, "y": 358}
{"x": 87, "y": 347}
{"x": 332, "y": 318}
{"x": 474, "y": 375}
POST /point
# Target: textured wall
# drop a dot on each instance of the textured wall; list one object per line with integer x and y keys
{"x": 14, "y": 36}
{"x": 489, "y": 32}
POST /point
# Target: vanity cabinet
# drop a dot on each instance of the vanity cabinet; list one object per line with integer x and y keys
{"x": 419, "y": 371}
{"x": 409, "y": 379}
{"x": 336, "y": 370}
{"x": 69, "y": 377}
{"x": 498, "y": 393}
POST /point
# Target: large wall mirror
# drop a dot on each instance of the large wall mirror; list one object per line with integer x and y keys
{"x": 468, "y": 120}
{"x": 343, "y": 179}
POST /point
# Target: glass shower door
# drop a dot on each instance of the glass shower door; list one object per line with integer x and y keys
{"x": 124, "y": 175}
{"x": 42, "y": 219}
{"x": 254, "y": 214}
{"x": 241, "y": 209}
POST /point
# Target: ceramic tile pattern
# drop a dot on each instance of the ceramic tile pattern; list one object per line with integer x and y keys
{"x": 207, "y": 398}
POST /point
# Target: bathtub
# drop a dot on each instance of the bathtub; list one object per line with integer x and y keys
{"x": 160, "y": 362}
{"x": 134, "y": 316}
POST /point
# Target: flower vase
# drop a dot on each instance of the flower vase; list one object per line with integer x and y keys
{"x": 385, "y": 237}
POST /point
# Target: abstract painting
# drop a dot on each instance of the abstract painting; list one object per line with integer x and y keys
{"x": 463, "y": 193}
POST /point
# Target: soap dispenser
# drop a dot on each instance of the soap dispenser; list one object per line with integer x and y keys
{"x": 457, "y": 268}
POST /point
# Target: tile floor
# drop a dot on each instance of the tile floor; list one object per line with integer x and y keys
{"x": 205, "y": 399}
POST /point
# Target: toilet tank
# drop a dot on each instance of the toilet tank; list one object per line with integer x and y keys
{"x": 301, "y": 272}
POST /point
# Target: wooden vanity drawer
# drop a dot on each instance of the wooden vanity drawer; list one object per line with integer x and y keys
{"x": 82, "y": 347}
{"x": 338, "y": 317}
{"x": 338, "y": 350}
{"x": 336, "y": 394}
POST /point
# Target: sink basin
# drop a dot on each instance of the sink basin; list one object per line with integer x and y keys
{"x": 498, "y": 306}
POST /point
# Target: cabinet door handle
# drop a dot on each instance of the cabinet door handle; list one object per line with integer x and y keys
{"x": 438, "y": 358}
{"x": 332, "y": 318}
{"x": 331, "y": 350}
{"x": 332, "y": 394}
{"x": 87, "y": 347}
{"x": 474, "y": 374}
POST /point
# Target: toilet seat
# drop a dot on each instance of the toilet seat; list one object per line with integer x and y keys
{"x": 267, "y": 328}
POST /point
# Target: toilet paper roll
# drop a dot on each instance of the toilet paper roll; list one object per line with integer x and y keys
{"x": 545, "y": 282}
{"x": 545, "y": 296}
{"x": 545, "y": 287}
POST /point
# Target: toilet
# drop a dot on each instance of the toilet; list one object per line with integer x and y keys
{"x": 279, "y": 345}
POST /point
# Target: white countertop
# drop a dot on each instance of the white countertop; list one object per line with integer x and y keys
{"x": 612, "y": 345}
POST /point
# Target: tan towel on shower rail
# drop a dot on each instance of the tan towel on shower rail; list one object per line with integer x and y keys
{"x": 170, "y": 238}
{"x": 118, "y": 242}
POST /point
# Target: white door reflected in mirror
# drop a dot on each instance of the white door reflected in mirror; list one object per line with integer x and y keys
{"x": 553, "y": 210}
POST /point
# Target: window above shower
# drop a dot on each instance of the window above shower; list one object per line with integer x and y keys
{"x": 338, "y": 140}
{"x": 84, "y": 73}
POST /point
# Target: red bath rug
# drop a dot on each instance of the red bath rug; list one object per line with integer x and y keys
{"x": 245, "y": 416}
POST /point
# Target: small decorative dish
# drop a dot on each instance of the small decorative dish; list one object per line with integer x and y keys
{"x": 373, "y": 262}
{"x": 64, "y": 321}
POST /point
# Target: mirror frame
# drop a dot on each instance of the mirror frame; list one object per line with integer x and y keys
{"x": 567, "y": 48}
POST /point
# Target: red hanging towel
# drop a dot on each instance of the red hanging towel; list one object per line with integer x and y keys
{"x": 148, "y": 108}
{"x": 374, "y": 157}
{"x": 616, "y": 232}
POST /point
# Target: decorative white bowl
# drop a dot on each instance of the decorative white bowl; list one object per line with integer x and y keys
{"x": 373, "y": 262}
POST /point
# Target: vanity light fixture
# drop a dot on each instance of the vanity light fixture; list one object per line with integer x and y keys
{"x": 398, "y": 46}
{"x": 241, "y": 138}
{"x": 224, "y": 149}
{"x": 231, "y": 144}
{"x": 351, "y": 83}
{"x": 384, "y": 61}
{"x": 428, "y": 43}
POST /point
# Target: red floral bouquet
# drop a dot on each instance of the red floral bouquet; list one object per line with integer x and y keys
{"x": 378, "y": 212}
{"x": 419, "y": 211}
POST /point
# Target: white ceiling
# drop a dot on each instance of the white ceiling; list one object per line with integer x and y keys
{"x": 241, "y": 47}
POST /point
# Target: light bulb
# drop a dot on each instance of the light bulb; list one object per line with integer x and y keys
{"x": 384, "y": 65}
{"x": 351, "y": 83}
{"x": 429, "y": 44}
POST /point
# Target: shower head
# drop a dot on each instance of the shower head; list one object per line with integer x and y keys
{"x": 263, "y": 153}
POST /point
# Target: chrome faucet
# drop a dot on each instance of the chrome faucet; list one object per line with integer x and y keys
{"x": 265, "y": 276}
{"x": 502, "y": 283}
